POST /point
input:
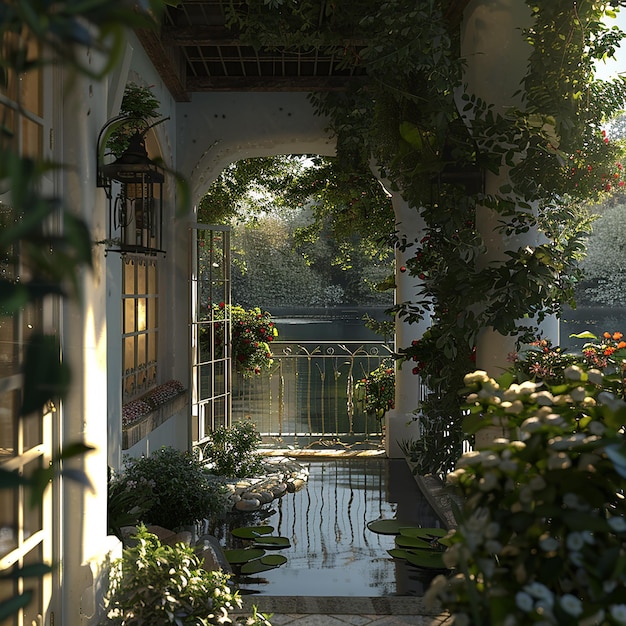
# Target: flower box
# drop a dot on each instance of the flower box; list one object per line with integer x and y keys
{"x": 140, "y": 417}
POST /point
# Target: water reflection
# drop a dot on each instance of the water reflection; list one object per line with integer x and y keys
{"x": 333, "y": 553}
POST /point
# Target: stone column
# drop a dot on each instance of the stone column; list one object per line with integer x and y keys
{"x": 400, "y": 422}
{"x": 496, "y": 56}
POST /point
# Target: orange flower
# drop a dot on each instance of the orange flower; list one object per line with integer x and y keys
{"x": 608, "y": 351}
{"x": 621, "y": 344}
{"x": 617, "y": 336}
{"x": 607, "y": 335}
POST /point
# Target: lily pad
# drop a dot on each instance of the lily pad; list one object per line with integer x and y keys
{"x": 243, "y": 556}
{"x": 403, "y": 541}
{"x": 263, "y": 564}
{"x": 386, "y": 526}
{"x": 423, "y": 533}
{"x": 251, "y": 532}
{"x": 272, "y": 542}
{"x": 427, "y": 559}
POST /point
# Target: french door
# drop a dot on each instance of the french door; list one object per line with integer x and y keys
{"x": 210, "y": 329}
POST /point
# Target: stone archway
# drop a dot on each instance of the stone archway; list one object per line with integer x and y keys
{"x": 215, "y": 130}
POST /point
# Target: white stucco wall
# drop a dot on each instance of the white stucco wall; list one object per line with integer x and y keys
{"x": 216, "y": 129}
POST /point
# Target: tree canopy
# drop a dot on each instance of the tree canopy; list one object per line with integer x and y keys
{"x": 307, "y": 230}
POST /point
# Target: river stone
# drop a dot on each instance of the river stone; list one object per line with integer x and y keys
{"x": 279, "y": 490}
{"x": 212, "y": 554}
{"x": 248, "y": 504}
{"x": 265, "y": 496}
{"x": 181, "y": 537}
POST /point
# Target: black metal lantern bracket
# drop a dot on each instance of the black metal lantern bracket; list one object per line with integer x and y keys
{"x": 135, "y": 221}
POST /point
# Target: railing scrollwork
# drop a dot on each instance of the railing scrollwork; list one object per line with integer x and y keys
{"x": 309, "y": 393}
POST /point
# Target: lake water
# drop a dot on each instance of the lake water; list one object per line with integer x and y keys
{"x": 594, "y": 319}
{"x": 332, "y": 552}
{"x": 318, "y": 358}
{"x": 326, "y": 324}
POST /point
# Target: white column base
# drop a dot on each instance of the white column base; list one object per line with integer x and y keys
{"x": 399, "y": 427}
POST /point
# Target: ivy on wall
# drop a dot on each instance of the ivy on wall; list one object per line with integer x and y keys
{"x": 405, "y": 113}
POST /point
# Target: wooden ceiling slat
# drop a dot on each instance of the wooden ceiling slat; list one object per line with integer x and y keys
{"x": 194, "y": 45}
{"x": 268, "y": 83}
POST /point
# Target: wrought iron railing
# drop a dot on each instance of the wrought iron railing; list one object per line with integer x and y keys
{"x": 310, "y": 393}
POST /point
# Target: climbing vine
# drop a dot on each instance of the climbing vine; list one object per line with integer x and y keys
{"x": 409, "y": 109}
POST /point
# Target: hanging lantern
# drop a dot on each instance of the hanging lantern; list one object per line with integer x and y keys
{"x": 135, "y": 191}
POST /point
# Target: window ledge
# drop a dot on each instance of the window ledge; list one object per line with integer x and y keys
{"x": 139, "y": 429}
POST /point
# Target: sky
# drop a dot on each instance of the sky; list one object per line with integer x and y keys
{"x": 608, "y": 70}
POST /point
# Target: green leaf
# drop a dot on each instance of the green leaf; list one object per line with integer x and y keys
{"x": 13, "y": 605}
{"x": 243, "y": 555}
{"x": 35, "y": 570}
{"x": 411, "y": 134}
{"x": 427, "y": 559}
{"x": 274, "y": 560}
{"x": 251, "y": 532}
{"x": 272, "y": 542}
{"x": 424, "y": 533}
{"x": 386, "y": 526}
{"x": 411, "y": 542}
{"x": 46, "y": 377}
{"x": 584, "y": 335}
{"x": 11, "y": 479}
{"x": 264, "y": 564}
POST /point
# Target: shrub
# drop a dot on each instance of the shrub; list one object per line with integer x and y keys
{"x": 378, "y": 389}
{"x": 252, "y": 331}
{"x": 182, "y": 492}
{"x": 128, "y": 502}
{"x": 157, "y": 584}
{"x": 439, "y": 445}
{"x": 542, "y": 535}
{"x": 232, "y": 452}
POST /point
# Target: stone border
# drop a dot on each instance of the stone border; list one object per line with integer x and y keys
{"x": 440, "y": 497}
{"x": 283, "y": 475}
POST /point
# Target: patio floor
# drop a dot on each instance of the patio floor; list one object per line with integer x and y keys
{"x": 324, "y": 611}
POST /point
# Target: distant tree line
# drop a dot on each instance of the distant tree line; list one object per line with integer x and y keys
{"x": 307, "y": 231}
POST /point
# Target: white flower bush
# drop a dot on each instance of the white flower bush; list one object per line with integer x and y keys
{"x": 541, "y": 537}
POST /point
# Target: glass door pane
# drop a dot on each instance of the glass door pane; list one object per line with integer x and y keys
{"x": 210, "y": 328}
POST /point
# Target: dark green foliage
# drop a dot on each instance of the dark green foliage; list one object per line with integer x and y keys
{"x": 252, "y": 333}
{"x": 233, "y": 452}
{"x": 181, "y": 491}
{"x": 72, "y": 28}
{"x": 53, "y": 260}
{"x": 421, "y": 547}
{"x": 377, "y": 390}
{"x": 252, "y": 559}
{"x": 158, "y": 584}
{"x": 306, "y": 230}
{"x": 139, "y": 107}
{"x": 441, "y": 440}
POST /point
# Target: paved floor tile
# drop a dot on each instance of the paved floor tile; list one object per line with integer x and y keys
{"x": 284, "y": 619}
